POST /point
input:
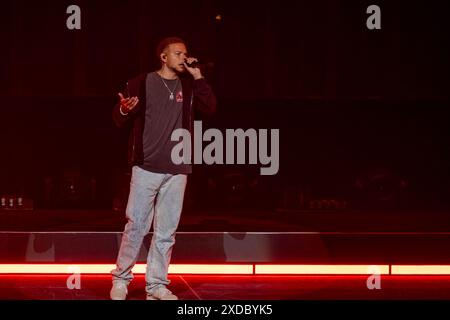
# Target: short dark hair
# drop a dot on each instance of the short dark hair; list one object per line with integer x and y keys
{"x": 164, "y": 43}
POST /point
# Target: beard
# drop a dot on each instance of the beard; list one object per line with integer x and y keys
{"x": 176, "y": 68}
{"x": 179, "y": 68}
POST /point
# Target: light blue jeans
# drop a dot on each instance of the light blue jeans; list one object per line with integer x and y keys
{"x": 154, "y": 197}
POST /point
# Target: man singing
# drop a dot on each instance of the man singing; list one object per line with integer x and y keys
{"x": 157, "y": 103}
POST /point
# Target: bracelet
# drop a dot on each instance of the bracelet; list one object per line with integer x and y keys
{"x": 121, "y": 112}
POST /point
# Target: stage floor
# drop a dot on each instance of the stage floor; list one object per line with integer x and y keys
{"x": 194, "y": 287}
{"x": 427, "y": 228}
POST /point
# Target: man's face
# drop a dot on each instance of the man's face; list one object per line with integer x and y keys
{"x": 175, "y": 55}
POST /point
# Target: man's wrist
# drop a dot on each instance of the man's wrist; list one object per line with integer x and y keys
{"x": 121, "y": 112}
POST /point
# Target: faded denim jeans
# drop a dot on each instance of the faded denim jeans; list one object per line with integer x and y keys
{"x": 154, "y": 197}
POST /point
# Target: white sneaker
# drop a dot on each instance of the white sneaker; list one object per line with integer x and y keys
{"x": 161, "y": 293}
{"x": 119, "y": 291}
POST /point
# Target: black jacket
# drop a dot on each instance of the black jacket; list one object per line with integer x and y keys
{"x": 196, "y": 94}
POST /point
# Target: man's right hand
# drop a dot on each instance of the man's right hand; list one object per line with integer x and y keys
{"x": 127, "y": 104}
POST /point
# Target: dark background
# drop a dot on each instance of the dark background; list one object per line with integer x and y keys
{"x": 363, "y": 114}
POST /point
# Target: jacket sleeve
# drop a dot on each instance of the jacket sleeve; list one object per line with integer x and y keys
{"x": 204, "y": 98}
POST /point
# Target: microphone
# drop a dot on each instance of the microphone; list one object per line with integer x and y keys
{"x": 200, "y": 64}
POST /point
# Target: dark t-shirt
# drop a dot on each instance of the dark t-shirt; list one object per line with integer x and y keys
{"x": 162, "y": 116}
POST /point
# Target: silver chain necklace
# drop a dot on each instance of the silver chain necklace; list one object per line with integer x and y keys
{"x": 171, "y": 96}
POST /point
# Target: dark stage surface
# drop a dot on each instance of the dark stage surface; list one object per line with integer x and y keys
{"x": 190, "y": 287}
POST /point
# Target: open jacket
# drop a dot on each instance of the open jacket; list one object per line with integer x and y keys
{"x": 197, "y": 94}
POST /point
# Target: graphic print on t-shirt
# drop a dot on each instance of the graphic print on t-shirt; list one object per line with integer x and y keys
{"x": 180, "y": 96}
